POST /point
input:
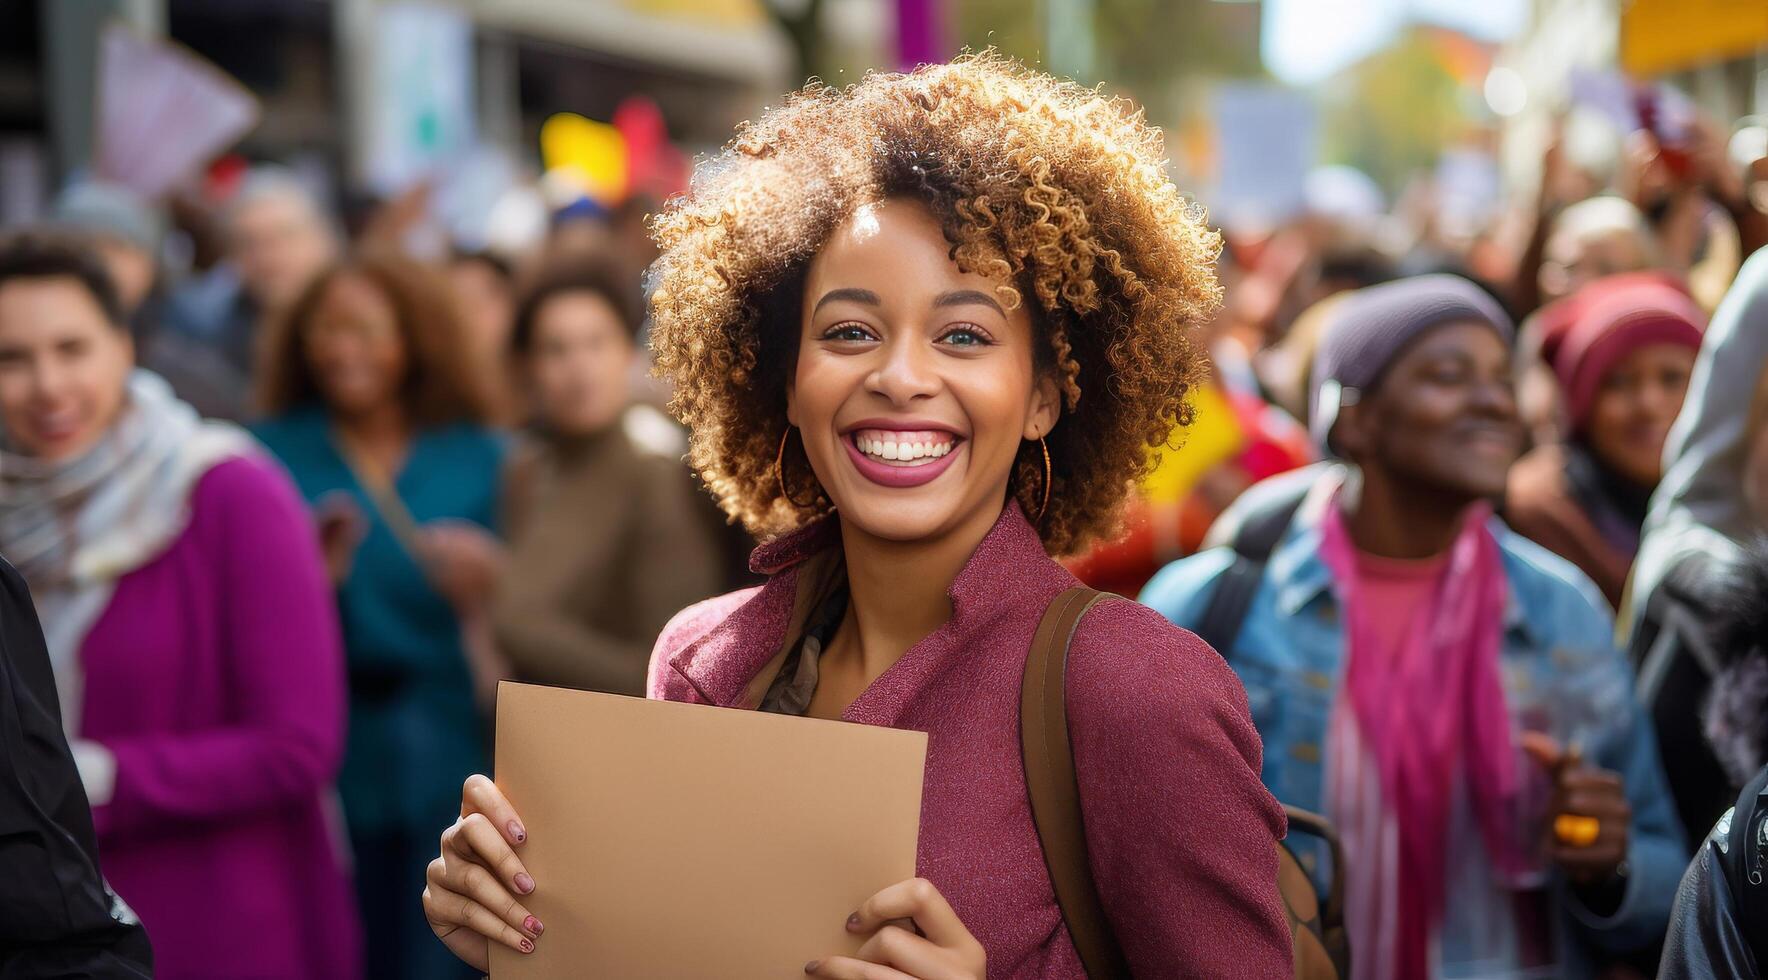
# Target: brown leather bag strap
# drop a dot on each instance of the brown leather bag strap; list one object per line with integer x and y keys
{"x": 1055, "y": 793}
{"x": 1331, "y": 930}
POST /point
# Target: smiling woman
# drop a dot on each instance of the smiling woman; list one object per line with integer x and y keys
{"x": 193, "y": 641}
{"x": 1446, "y": 692}
{"x": 923, "y": 331}
{"x": 375, "y": 409}
{"x": 1623, "y": 361}
{"x": 911, "y": 376}
{"x": 1051, "y": 204}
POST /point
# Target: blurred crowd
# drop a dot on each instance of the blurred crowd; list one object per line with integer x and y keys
{"x": 456, "y": 474}
{"x": 1585, "y": 378}
{"x": 283, "y": 641}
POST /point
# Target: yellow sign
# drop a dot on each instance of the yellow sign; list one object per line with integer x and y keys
{"x": 1213, "y": 438}
{"x": 590, "y": 154}
{"x": 1659, "y": 36}
{"x": 716, "y": 12}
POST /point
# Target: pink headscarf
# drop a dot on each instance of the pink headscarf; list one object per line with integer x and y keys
{"x": 1616, "y": 317}
{"x": 1431, "y": 714}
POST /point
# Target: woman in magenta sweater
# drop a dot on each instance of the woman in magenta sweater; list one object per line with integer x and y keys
{"x": 191, "y": 632}
{"x": 924, "y": 330}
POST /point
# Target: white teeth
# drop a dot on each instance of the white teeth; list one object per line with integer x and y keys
{"x": 900, "y": 451}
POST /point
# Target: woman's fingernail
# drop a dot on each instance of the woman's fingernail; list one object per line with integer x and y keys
{"x": 853, "y": 921}
{"x": 812, "y": 966}
{"x": 533, "y": 925}
{"x": 517, "y": 834}
{"x": 524, "y": 883}
{"x": 527, "y": 947}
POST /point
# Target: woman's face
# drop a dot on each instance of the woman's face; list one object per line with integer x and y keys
{"x": 64, "y": 367}
{"x": 486, "y": 305}
{"x": 580, "y": 363}
{"x": 1443, "y": 418}
{"x": 1635, "y": 407}
{"x": 914, "y": 386}
{"x": 354, "y": 347}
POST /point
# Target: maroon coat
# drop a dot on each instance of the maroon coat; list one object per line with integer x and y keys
{"x": 1179, "y": 829}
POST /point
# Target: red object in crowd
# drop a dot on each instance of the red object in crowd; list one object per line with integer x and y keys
{"x": 224, "y": 176}
{"x": 656, "y": 167}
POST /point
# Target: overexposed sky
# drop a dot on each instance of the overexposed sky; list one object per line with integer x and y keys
{"x": 1307, "y": 40}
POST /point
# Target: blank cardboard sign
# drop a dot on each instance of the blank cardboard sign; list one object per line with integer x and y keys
{"x": 679, "y": 840}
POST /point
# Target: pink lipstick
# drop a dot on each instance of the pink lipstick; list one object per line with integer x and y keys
{"x": 902, "y": 475}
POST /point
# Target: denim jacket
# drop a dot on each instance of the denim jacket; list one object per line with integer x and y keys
{"x": 1562, "y": 674}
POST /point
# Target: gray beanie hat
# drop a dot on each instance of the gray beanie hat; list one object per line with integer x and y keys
{"x": 96, "y": 208}
{"x": 1371, "y": 326}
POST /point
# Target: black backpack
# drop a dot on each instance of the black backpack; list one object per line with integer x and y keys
{"x": 1253, "y": 543}
{"x": 1749, "y": 875}
{"x": 1676, "y": 661}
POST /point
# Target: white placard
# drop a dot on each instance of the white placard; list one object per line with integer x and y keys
{"x": 163, "y": 112}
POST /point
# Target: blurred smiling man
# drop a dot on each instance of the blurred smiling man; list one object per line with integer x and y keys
{"x": 278, "y": 240}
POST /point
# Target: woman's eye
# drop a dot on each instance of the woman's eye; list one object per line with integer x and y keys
{"x": 964, "y": 337}
{"x": 1450, "y": 377}
{"x": 848, "y": 332}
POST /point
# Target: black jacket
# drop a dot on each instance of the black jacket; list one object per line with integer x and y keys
{"x": 1701, "y": 650}
{"x": 1677, "y": 658}
{"x": 1719, "y": 927}
{"x": 57, "y": 917}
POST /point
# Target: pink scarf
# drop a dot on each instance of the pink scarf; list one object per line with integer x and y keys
{"x": 1430, "y": 714}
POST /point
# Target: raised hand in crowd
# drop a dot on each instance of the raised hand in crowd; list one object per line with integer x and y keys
{"x": 1674, "y": 184}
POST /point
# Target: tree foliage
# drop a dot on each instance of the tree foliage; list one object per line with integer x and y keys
{"x": 1392, "y": 114}
{"x": 1147, "y": 49}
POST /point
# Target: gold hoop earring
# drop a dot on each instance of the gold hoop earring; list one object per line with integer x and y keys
{"x": 1045, "y": 446}
{"x": 780, "y": 471}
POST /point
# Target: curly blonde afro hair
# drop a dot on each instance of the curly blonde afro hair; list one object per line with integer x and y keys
{"x": 1055, "y": 191}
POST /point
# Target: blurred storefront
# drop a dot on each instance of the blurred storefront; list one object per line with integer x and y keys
{"x": 361, "y": 93}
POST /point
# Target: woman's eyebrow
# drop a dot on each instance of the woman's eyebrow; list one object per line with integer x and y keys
{"x": 1447, "y": 352}
{"x": 966, "y": 297}
{"x": 849, "y": 293}
{"x": 1458, "y": 358}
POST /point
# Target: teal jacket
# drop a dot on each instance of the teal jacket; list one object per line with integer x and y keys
{"x": 1562, "y": 673}
{"x": 415, "y": 733}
